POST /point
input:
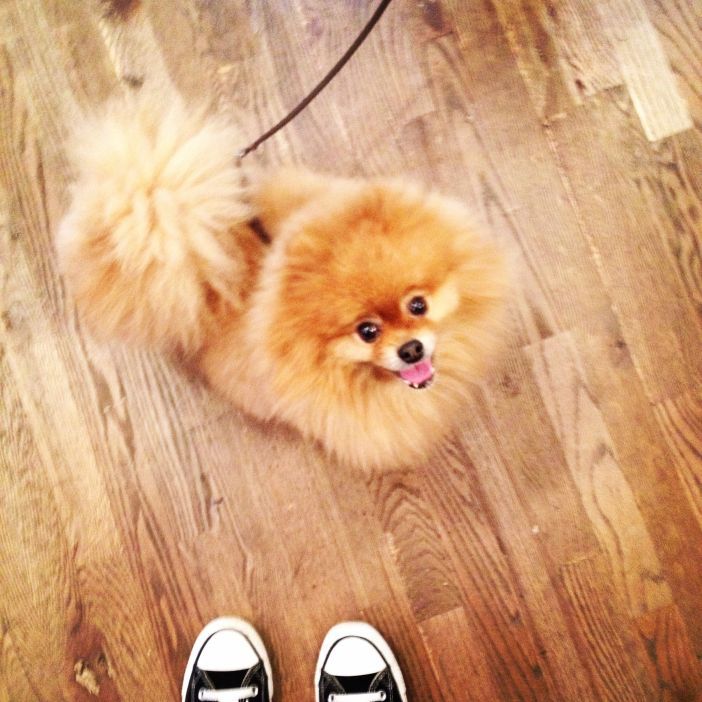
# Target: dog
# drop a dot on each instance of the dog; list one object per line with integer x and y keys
{"x": 358, "y": 311}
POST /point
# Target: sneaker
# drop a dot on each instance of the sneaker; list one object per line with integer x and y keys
{"x": 357, "y": 665}
{"x": 228, "y": 663}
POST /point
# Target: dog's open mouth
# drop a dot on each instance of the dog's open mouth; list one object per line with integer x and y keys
{"x": 418, "y": 376}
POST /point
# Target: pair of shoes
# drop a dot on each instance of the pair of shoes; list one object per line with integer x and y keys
{"x": 229, "y": 663}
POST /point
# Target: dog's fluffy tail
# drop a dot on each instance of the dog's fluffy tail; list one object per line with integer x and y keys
{"x": 149, "y": 244}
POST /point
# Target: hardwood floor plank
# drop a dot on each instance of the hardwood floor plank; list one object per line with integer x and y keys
{"x": 635, "y": 250}
{"x": 518, "y": 539}
{"x": 530, "y": 215}
{"x": 603, "y": 635}
{"x": 71, "y": 34}
{"x": 416, "y": 542}
{"x": 646, "y": 69}
{"x": 34, "y": 551}
{"x": 466, "y": 678}
{"x": 563, "y": 52}
{"x": 680, "y": 32}
{"x": 646, "y": 463}
{"x": 560, "y": 542}
{"x": 538, "y": 465}
{"x": 680, "y": 193}
{"x": 76, "y": 577}
{"x": 36, "y": 365}
{"x": 587, "y": 59}
{"x": 592, "y": 461}
{"x": 13, "y": 684}
{"x": 680, "y": 420}
{"x": 358, "y": 530}
{"x": 672, "y": 656}
{"x": 510, "y": 604}
{"x": 132, "y": 49}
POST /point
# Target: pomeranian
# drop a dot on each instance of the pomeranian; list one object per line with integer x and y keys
{"x": 357, "y": 311}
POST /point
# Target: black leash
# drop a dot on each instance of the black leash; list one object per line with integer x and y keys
{"x": 322, "y": 83}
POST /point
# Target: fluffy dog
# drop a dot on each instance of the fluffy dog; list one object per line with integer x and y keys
{"x": 357, "y": 311}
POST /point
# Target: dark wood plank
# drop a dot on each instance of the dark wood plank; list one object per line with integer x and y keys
{"x": 677, "y": 668}
{"x": 466, "y": 677}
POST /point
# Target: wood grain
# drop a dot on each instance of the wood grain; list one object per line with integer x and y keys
{"x": 680, "y": 419}
{"x": 551, "y": 548}
{"x": 645, "y": 69}
{"x": 635, "y": 246}
{"x": 593, "y": 464}
{"x": 467, "y": 676}
{"x": 671, "y": 654}
{"x": 680, "y": 31}
{"x": 604, "y": 636}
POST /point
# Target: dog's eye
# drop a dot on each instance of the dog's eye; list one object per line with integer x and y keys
{"x": 368, "y": 331}
{"x": 417, "y": 306}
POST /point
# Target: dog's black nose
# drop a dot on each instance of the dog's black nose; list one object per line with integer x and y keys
{"x": 412, "y": 351}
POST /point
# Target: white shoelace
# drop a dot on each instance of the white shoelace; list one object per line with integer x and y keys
{"x": 232, "y": 694}
{"x": 357, "y": 696}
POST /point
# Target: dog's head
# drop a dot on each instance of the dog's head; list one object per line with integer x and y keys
{"x": 374, "y": 275}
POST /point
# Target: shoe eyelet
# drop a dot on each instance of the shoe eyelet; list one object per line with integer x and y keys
{"x": 382, "y": 695}
{"x": 254, "y": 689}
{"x": 331, "y": 697}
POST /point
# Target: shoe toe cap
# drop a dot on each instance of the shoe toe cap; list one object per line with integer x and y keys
{"x": 354, "y": 656}
{"x": 227, "y": 650}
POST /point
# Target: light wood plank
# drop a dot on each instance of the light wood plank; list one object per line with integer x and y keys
{"x": 645, "y": 461}
{"x": 635, "y": 251}
{"x": 645, "y": 69}
{"x": 592, "y": 461}
{"x": 680, "y": 32}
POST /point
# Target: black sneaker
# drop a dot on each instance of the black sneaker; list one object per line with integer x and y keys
{"x": 357, "y": 665}
{"x": 228, "y": 663}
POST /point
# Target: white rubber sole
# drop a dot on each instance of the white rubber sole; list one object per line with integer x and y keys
{"x": 237, "y": 625}
{"x": 364, "y": 631}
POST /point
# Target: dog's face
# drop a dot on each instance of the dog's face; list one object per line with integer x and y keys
{"x": 398, "y": 332}
{"x": 371, "y": 283}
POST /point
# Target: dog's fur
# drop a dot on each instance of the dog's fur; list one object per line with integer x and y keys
{"x": 157, "y": 249}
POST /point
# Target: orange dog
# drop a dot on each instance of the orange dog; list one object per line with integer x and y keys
{"x": 356, "y": 311}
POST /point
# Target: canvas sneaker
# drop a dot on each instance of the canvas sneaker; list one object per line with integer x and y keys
{"x": 228, "y": 663}
{"x": 356, "y": 665}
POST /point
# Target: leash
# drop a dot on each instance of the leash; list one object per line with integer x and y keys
{"x": 322, "y": 83}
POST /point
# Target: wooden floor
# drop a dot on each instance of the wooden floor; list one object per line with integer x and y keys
{"x": 552, "y": 550}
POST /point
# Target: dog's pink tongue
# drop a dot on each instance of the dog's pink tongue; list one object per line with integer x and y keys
{"x": 418, "y": 373}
